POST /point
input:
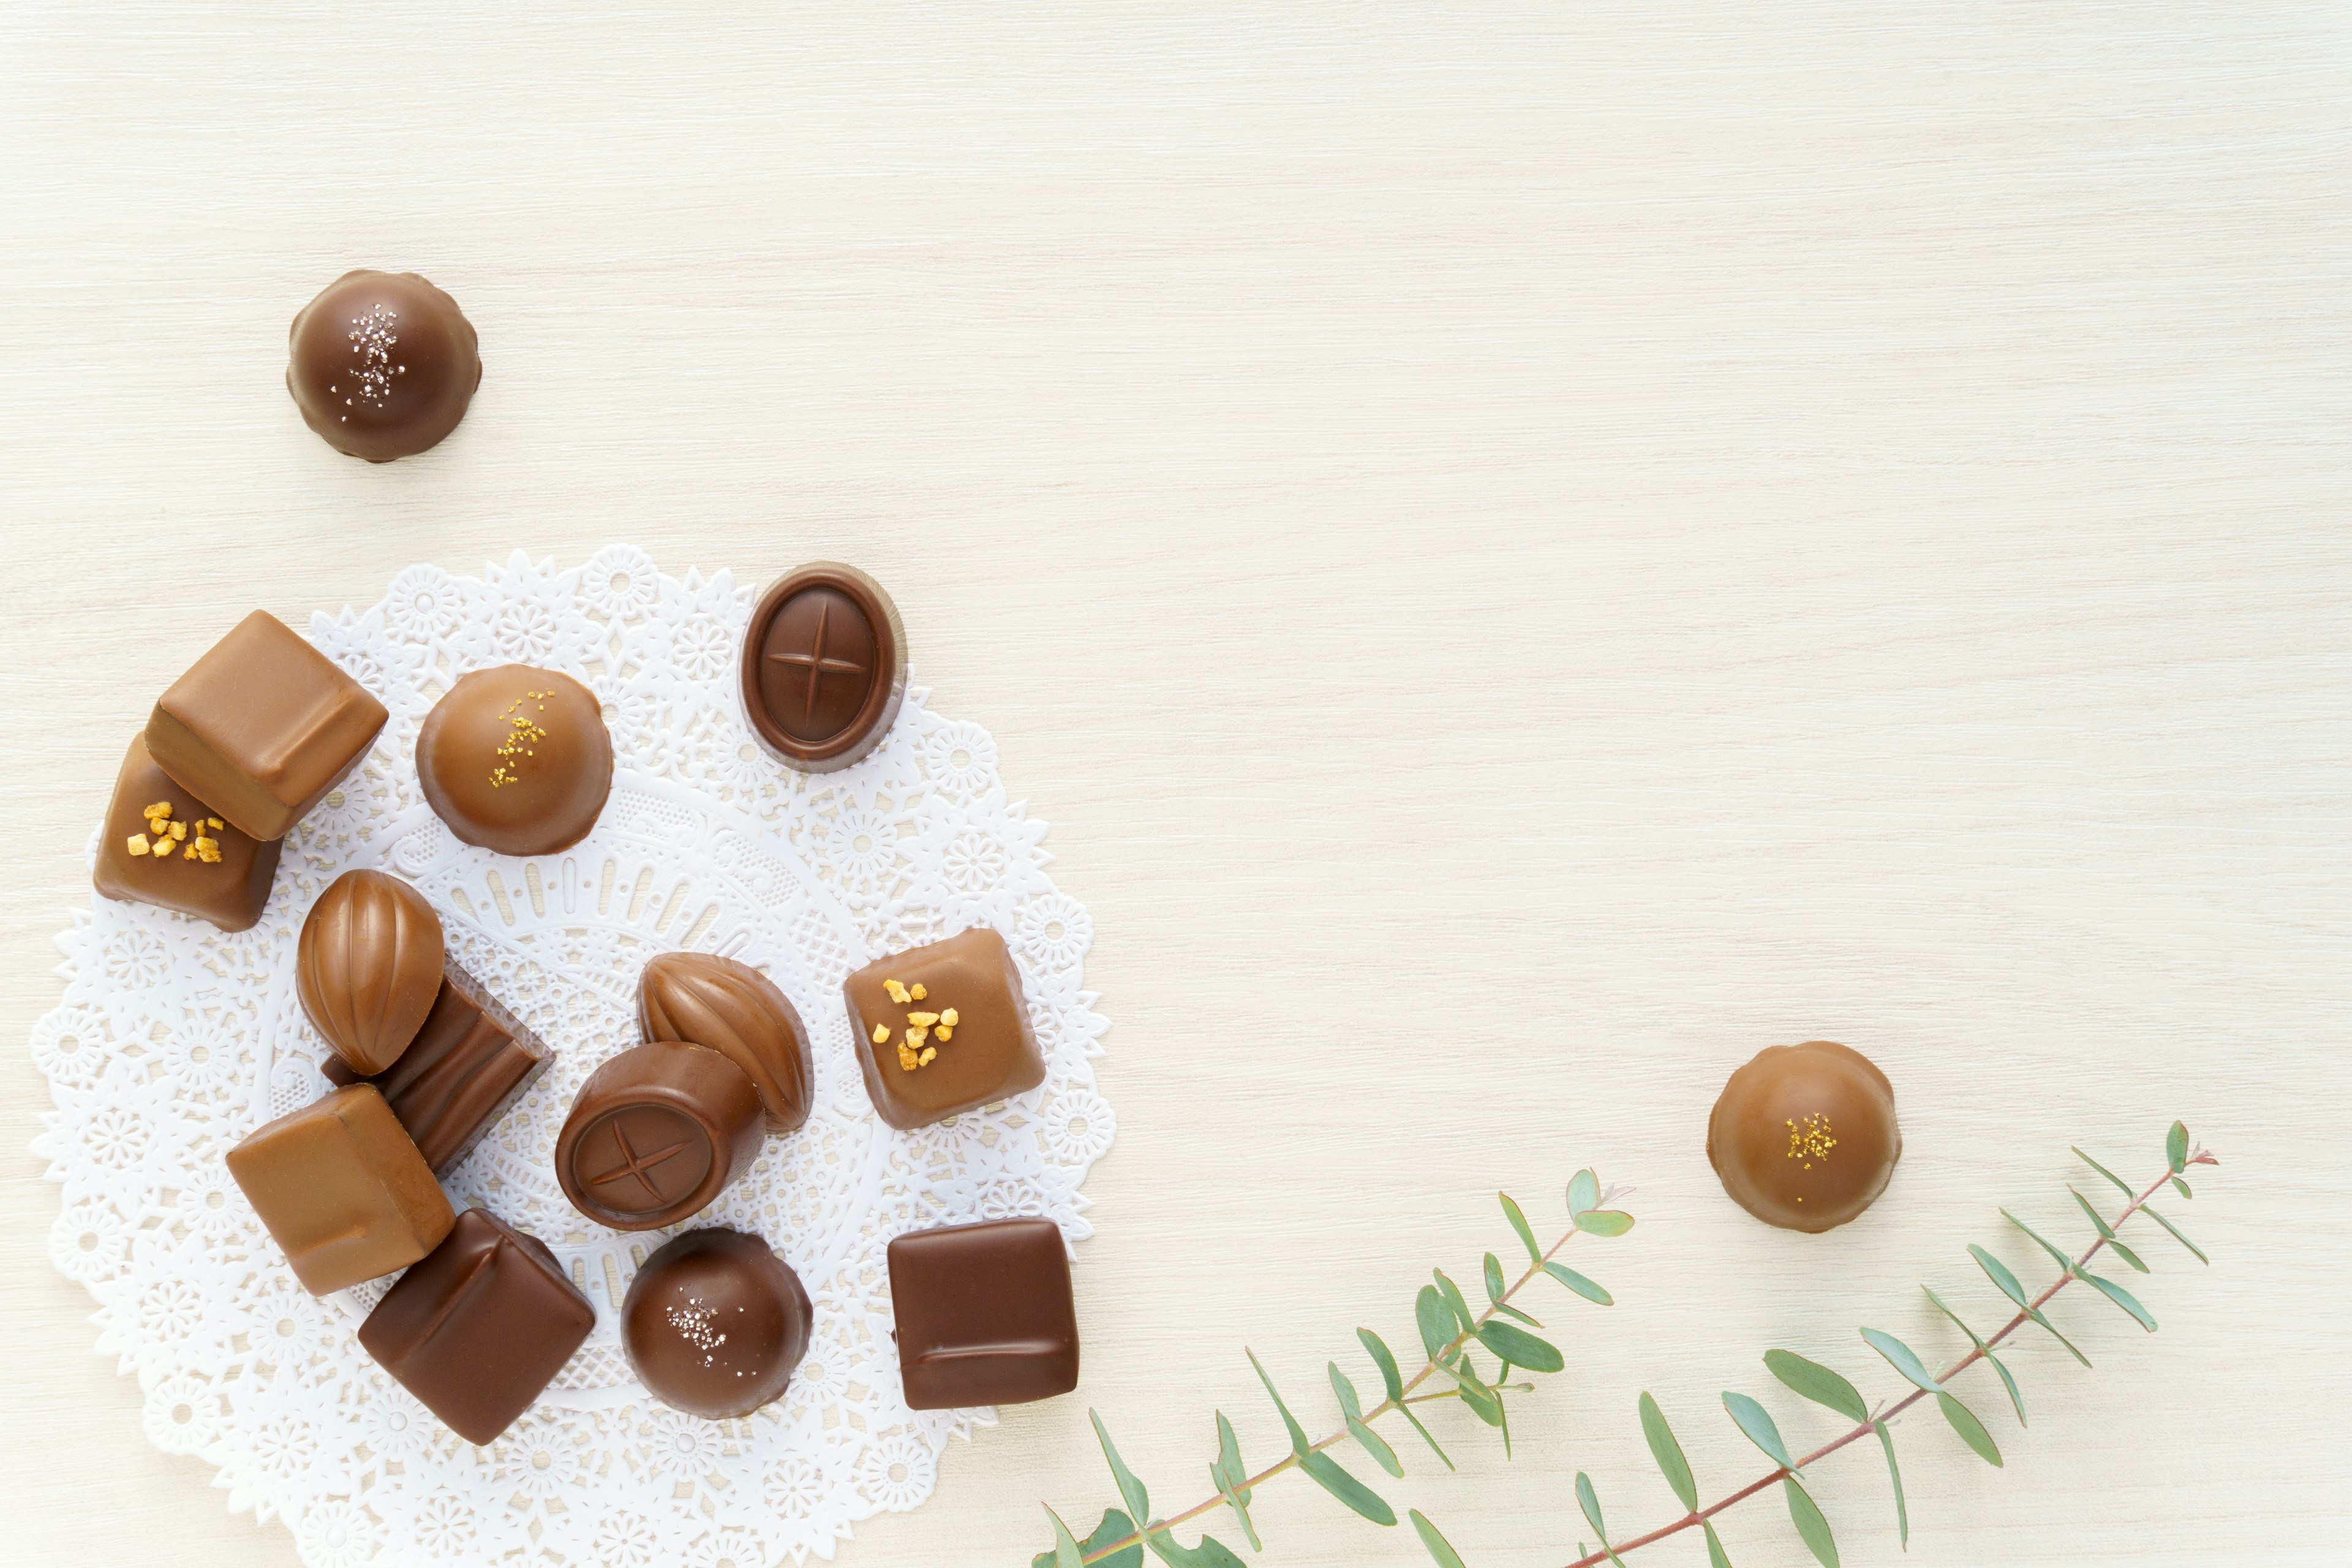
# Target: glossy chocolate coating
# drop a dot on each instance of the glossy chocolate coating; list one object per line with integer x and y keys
{"x": 480, "y": 1327}
{"x": 993, "y": 1050}
{"x": 983, "y": 1314}
{"x": 824, "y": 667}
{"x": 342, "y": 1190}
{"x": 262, "y": 726}
{"x": 656, "y": 1134}
{"x": 737, "y": 1011}
{"x": 230, "y": 892}
{"x": 382, "y": 364}
{"x": 1804, "y": 1137}
{"x": 368, "y": 967}
{"x": 516, "y": 760}
{"x": 470, "y": 1061}
{"x": 714, "y": 1324}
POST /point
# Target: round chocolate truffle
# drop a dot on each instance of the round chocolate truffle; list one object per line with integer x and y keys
{"x": 382, "y": 364}
{"x": 516, "y": 760}
{"x": 1804, "y": 1136}
{"x": 824, "y": 667}
{"x": 714, "y": 1324}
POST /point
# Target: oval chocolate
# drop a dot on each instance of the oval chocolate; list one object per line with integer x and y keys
{"x": 824, "y": 667}
{"x": 656, "y": 1134}
{"x": 368, "y": 967}
{"x": 735, "y": 1010}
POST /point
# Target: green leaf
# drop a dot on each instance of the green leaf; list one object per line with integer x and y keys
{"x": 1065, "y": 1553}
{"x": 1817, "y": 1382}
{"x": 1452, "y": 1294}
{"x": 1604, "y": 1221}
{"x": 1590, "y": 1503}
{"x": 1810, "y": 1525}
{"x": 1238, "y": 1500}
{"x": 1521, "y": 1348}
{"x": 1345, "y": 1392}
{"x": 1663, "y": 1448}
{"x": 1494, "y": 1270}
{"x": 1513, "y": 1312}
{"x": 2176, "y": 1234}
{"x": 2176, "y": 1147}
{"x": 1580, "y": 1284}
{"x": 2182, "y": 1188}
{"x": 1229, "y": 1457}
{"x": 1352, "y": 1410}
{"x": 1757, "y": 1422}
{"x": 2016, "y": 1399}
{"x": 2121, "y": 1297}
{"x": 1424, "y": 1435}
{"x": 1481, "y": 1399}
{"x": 1130, "y": 1490}
{"x": 2064, "y": 1263}
{"x": 1895, "y": 1474}
{"x": 1972, "y": 1430}
{"x": 1519, "y": 1223}
{"x": 1584, "y": 1191}
{"x": 1902, "y": 1358}
{"x": 1379, "y": 1351}
{"x": 1998, "y": 1272}
{"x": 1715, "y": 1557}
{"x": 1115, "y": 1526}
{"x": 1441, "y": 1550}
{"x": 1326, "y": 1473}
{"x": 1434, "y": 1319}
{"x": 2107, "y": 1233}
{"x": 1214, "y": 1553}
{"x": 2120, "y": 1184}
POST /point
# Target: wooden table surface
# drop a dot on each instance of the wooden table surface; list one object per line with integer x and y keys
{"x": 1526, "y": 551}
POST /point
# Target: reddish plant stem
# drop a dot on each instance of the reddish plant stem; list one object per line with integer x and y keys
{"x": 2200, "y": 1158}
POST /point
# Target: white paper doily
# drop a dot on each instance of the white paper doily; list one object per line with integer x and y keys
{"x": 174, "y": 1040}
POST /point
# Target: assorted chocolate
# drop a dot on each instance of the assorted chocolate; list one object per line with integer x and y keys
{"x": 480, "y": 1327}
{"x": 942, "y": 1029}
{"x": 368, "y": 967}
{"x": 469, "y": 1062}
{"x": 656, "y": 1134}
{"x": 342, "y": 1190}
{"x": 262, "y": 727}
{"x": 382, "y": 364}
{"x": 516, "y": 760}
{"x": 715, "y": 1323}
{"x": 983, "y": 1314}
{"x": 1804, "y": 1137}
{"x": 824, "y": 667}
{"x": 162, "y": 846}
{"x": 735, "y": 1010}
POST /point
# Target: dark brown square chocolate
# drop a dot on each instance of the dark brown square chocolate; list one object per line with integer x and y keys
{"x": 481, "y": 1328}
{"x": 988, "y": 1052}
{"x": 984, "y": 1315}
{"x": 470, "y": 1063}
{"x": 180, "y": 861}
{"x": 263, "y": 726}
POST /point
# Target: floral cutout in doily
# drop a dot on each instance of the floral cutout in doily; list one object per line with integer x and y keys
{"x": 174, "y": 1040}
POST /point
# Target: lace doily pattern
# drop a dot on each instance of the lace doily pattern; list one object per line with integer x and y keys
{"x": 174, "y": 1041}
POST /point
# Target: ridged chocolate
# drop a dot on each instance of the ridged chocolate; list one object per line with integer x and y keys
{"x": 733, "y": 1009}
{"x": 470, "y": 1063}
{"x": 369, "y": 967}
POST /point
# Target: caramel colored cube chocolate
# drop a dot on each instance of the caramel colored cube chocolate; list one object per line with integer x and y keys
{"x": 173, "y": 858}
{"x": 343, "y": 1190}
{"x": 467, "y": 1066}
{"x": 983, "y": 1314}
{"x": 481, "y": 1328}
{"x": 942, "y": 1029}
{"x": 263, "y": 726}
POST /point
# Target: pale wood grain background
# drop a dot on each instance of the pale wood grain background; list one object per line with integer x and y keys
{"x": 1526, "y": 551}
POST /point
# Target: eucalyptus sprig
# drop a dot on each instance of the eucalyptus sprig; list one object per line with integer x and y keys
{"x": 1448, "y": 1329}
{"x": 1829, "y": 1389}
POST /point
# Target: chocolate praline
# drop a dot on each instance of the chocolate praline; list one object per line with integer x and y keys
{"x": 517, "y": 760}
{"x": 1804, "y": 1137}
{"x": 714, "y": 1324}
{"x": 382, "y": 364}
{"x": 824, "y": 667}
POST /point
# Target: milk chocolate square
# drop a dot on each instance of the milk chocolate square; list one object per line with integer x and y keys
{"x": 983, "y": 1314}
{"x": 343, "y": 1190}
{"x": 183, "y": 856}
{"x": 479, "y": 1328}
{"x": 262, "y": 726}
{"x": 467, "y": 1066}
{"x": 954, "y": 1032}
